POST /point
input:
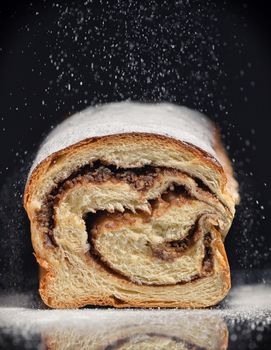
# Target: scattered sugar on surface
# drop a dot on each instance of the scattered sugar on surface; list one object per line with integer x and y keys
{"x": 250, "y": 297}
{"x": 246, "y": 311}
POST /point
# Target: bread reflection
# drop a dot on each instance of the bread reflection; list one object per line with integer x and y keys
{"x": 134, "y": 330}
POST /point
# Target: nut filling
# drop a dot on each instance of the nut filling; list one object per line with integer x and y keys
{"x": 140, "y": 180}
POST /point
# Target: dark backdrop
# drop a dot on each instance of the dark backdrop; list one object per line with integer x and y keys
{"x": 59, "y": 57}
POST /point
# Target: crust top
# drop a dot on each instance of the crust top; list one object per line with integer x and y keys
{"x": 164, "y": 119}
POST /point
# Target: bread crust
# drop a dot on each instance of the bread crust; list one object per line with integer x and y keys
{"x": 228, "y": 188}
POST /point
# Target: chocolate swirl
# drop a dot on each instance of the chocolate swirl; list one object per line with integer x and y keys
{"x": 160, "y": 235}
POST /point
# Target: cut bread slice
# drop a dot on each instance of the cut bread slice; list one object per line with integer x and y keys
{"x": 134, "y": 214}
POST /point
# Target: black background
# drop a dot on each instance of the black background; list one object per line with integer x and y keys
{"x": 59, "y": 57}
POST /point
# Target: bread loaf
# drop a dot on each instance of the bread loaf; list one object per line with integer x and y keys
{"x": 129, "y": 206}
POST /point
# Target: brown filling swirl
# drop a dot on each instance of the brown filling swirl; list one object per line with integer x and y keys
{"x": 141, "y": 179}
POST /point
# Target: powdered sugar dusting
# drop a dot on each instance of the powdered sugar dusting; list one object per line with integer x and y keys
{"x": 165, "y": 119}
{"x": 250, "y": 297}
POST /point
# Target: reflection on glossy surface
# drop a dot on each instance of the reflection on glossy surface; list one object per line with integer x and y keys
{"x": 142, "y": 330}
{"x": 118, "y": 329}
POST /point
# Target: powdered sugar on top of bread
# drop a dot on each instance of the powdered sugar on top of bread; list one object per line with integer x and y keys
{"x": 165, "y": 119}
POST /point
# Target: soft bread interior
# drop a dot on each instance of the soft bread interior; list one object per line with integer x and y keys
{"x": 147, "y": 260}
{"x": 137, "y": 243}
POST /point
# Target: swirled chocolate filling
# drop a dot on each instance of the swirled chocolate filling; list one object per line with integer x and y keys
{"x": 141, "y": 179}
